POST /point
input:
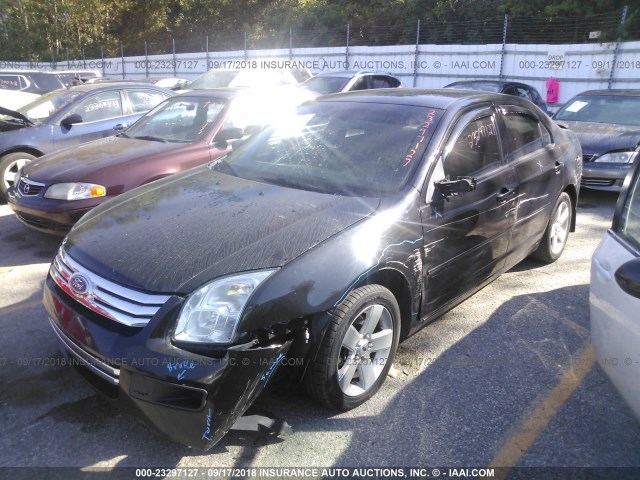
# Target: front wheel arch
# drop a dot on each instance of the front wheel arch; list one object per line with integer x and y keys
{"x": 357, "y": 348}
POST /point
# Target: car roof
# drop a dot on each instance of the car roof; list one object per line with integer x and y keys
{"x": 225, "y": 92}
{"x": 350, "y": 73}
{"x": 615, "y": 91}
{"x": 435, "y": 98}
{"x": 90, "y": 87}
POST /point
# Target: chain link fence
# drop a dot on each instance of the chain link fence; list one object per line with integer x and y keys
{"x": 609, "y": 27}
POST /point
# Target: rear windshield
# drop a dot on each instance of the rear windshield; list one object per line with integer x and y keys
{"x": 617, "y": 109}
{"x": 326, "y": 85}
{"x": 343, "y": 148}
{"x": 46, "y": 82}
{"x": 215, "y": 79}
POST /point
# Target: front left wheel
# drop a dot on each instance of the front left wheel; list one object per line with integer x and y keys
{"x": 10, "y": 165}
{"x": 357, "y": 350}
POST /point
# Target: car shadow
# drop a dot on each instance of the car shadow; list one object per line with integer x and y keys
{"x": 470, "y": 399}
{"x": 20, "y": 245}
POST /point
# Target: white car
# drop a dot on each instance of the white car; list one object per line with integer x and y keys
{"x": 13, "y": 99}
{"x": 615, "y": 295}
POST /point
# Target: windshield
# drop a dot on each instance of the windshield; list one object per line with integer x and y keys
{"x": 325, "y": 85}
{"x": 215, "y": 79}
{"x": 620, "y": 109}
{"x": 178, "y": 119}
{"x": 346, "y": 148}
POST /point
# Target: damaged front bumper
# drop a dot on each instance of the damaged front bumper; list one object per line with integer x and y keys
{"x": 192, "y": 399}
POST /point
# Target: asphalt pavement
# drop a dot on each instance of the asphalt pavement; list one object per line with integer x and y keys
{"x": 506, "y": 379}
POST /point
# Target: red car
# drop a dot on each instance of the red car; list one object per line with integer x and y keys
{"x": 53, "y": 192}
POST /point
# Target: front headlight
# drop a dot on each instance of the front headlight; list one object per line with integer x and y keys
{"x": 211, "y": 313}
{"x": 617, "y": 157}
{"x": 75, "y": 191}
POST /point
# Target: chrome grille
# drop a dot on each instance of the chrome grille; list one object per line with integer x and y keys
{"x": 93, "y": 363}
{"x": 29, "y": 187}
{"x": 111, "y": 300}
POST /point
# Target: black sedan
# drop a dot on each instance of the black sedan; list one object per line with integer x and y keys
{"x": 308, "y": 252}
{"x": 607, "y": 124}
{"x": 68, "y": 117}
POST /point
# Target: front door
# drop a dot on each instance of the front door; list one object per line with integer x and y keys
{"x": 466, "y": 235}
{"x": 100, "y": 113}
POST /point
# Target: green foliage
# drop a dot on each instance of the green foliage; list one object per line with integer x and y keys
{"x": 46, "y": 30}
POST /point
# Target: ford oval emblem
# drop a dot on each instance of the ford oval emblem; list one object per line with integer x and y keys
{"x": 79, "y": 284}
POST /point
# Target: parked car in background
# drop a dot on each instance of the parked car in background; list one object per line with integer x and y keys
{"x": 20, "y": 87}
{"x": 516, "y": 89}
{"x": 32, "y": 81}
{"x": 614, "y": 296}
{"x": 13, "y": 100}
{"x": 607, "y": 124}
{"x": 249, "y": 77}
{"x": 68, "y": 117}
{"x": 336, "y": 82}
{"x": 312, "y": 248}
{"x": 54, "y": 191}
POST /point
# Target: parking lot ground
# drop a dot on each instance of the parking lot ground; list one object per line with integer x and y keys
{"x": 505, "y": 379}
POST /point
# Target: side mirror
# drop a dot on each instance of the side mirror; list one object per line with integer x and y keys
{"x": 221, "y": 140}
{"x": 71, "y": 120}
{"x": 628, "y": 277}
{"x": 450, "y": 188}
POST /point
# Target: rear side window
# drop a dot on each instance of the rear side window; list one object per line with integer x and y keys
{"x": 10, "y": 82}
{"x": 628, "y": 226}
{"x": 144, "y": 100}
{"x": 475, "y": 149}
{"x": 361, "y": 84}
{"x": 524, "y": 136}
{"x": 384, "y": 82}
{"x": 102, "y": 106}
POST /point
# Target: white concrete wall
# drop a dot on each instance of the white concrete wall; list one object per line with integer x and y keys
{"x": 577, "y": 67}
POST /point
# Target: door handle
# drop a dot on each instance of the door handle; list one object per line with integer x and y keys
{"x": 505, "y": 194}
{"x": 120, "y": 127}
{"x": 558, "y": 167}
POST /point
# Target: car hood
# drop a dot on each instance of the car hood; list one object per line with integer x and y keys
{"x": 176, "y": 234}
{"x": 600, "y": 138}
{"x": 6, "y": 126}
{"x": 100, "y": 161}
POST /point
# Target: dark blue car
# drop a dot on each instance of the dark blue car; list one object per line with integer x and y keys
{"x": 68, "y": 117}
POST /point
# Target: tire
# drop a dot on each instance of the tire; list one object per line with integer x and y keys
{"x": 9, "y": 166}
{"x": 357, "y": 350}
{"x": 557, "y": 232}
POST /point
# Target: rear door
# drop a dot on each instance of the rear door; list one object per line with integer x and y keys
{"x": 530, "y": 150}
{"x": 466, "y": 236}
{"x": 615, "y": 296}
